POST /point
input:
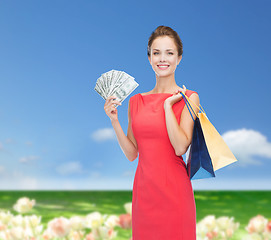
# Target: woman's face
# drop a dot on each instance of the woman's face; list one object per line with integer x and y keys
{"x": 164, "y": 56}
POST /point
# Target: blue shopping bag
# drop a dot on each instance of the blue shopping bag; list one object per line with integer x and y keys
{"x": 199, "y": 163}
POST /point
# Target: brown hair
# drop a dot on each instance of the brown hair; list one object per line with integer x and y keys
{"x": 165, "y": 31}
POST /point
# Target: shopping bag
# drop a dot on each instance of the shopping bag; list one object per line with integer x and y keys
{"x": 220, "y": 153}
{"x": 199, "y": 163}
{"x": 218, "y": 150}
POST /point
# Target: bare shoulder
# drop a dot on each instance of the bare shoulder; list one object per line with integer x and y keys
{"x": 192, "y": 93}
{"x": 194, "y": 97}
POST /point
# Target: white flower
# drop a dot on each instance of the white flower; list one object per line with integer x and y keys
{"x": 266, "y": 235}
{"x": 47, "y": 234}
{"x": 211, "y": 228}
{"x": 17, "y": 233}
{"x": 33, "y": 221}
{"x": 103, "y": 232}
{"x": 24, "y": 205}
{"x": 111, "y": 221}
{"x": 28, "y": 232}
{"x": 77, "y": 223}
{"x": 201, "y": 231}
{"x": 34, "y": 231}
{"x": 5, "y": 217}
{"x": 17, "y": 221}
{"x": 253, "y": 236}
{"x": 257, "y": 224}
{"x": 209, "y": 221}
{"x": 76, "y": 235}
{"x": 4, "y": 235}
{"x": 224, "y": 222}
{"x": 59, "y": 227}
{"x": 227, "y": 225}
{"x": 128, "y": 208}
{"x": 94, "y": 220}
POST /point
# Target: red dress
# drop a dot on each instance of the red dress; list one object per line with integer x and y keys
{"x": 163, "y": 204}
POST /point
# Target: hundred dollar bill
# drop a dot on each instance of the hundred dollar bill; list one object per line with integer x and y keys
{"x": 124, "y": 90}
{"x": 115, "y": 83}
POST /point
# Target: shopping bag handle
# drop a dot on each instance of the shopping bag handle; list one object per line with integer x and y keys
{"x": 189, "y": 106}
{"x": 188, "y": 103}
{"x": 201, "y": 108}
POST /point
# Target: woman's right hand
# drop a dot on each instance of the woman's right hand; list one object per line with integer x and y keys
{"x": 109, "y": 108}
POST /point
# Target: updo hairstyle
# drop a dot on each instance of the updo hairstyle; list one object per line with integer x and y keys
{"x": 161, "y": 31}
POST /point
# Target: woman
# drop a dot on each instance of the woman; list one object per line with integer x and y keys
{"x": 160, "y": 130}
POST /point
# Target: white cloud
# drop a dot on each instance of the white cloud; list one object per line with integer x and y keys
{"x": 28, "y": 159}
{"x": 28, "y": 143}
{"x": 217, "y": 183}
{"x": 104, "y": 134}
{"x": 98, "y": 164}
{"x": 28, "y": 183}
{"x": 2, "y": 169}
{"x": 95, "y": 174}
{"x": 10, "y": 140}
{"x": 246, "y": 144}
{"x": 128, "y": 173}
{"x": 70, "y": 168}
{"x": 18, "y": 180}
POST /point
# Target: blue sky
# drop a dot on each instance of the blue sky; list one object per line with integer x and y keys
{"x": 54, "y": 131}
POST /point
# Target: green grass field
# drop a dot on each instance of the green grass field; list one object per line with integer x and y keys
{"x": 242, "y": 205}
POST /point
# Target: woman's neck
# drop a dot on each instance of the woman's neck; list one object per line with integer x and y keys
{"x": 165, "y": 84}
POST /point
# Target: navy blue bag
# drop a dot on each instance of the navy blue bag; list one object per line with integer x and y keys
{"x": 199, "y": 163}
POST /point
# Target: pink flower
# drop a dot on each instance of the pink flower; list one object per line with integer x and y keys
{"x": 90, "y": 237}
{"x": 125, "y": 221}
{"x": 2, "y": 226}
{"x": 211, "y": 234}
{"x": 229, "y": 232}
{"x": 59, "y": 227}
{"x": 257, "y": 224}
{"x": 268, "y": 226}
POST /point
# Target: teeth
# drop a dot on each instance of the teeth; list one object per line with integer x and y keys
{"x": 162, "y": 66}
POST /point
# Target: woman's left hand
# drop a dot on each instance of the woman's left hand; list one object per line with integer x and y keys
{"x": 176, "y": 97}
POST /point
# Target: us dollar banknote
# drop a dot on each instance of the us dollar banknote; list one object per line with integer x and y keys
{"x": 115, "y": 83}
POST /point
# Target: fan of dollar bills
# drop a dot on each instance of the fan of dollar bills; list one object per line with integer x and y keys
{"x": 115, "y": 83}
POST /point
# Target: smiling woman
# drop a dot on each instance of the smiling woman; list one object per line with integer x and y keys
{"x": 164, "y": 58}
{"x": 160, "y": 130}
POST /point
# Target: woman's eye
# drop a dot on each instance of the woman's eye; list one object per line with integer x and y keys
{"x": 171, "y": 53}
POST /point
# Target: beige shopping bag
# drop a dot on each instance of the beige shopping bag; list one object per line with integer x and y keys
{"x": 219, "y": 151}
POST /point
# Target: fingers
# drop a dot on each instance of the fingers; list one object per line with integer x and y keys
{"x": 183, "y": 90}
{"x": 110, "y": 101}
{"x": 110, "y": 106}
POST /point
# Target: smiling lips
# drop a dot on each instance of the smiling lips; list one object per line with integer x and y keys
{"x": 162, "y": 66}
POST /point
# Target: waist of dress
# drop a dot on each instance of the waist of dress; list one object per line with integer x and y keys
{"x": 154, "y": 157}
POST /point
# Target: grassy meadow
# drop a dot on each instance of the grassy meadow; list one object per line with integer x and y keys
{"x": 242, "y": 205}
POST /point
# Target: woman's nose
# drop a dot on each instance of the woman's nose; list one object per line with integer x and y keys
{"x": 163, "y": 57}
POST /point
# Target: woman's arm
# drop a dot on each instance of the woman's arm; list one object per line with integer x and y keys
{"x": 127, "y": 143}
{"x": 180, "y": 135}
